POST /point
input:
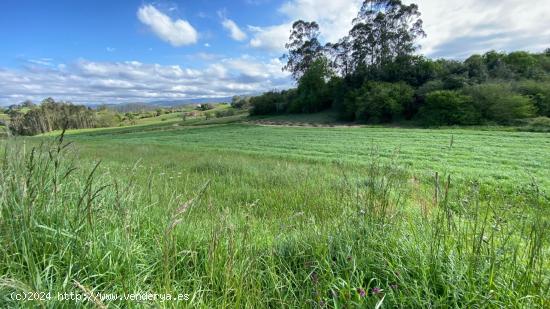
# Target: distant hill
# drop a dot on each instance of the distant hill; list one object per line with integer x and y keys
{"x": 140, "y": 106}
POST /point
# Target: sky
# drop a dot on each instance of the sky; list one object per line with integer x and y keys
{"x": 105, "y": 51}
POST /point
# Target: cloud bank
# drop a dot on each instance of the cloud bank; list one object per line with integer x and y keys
{"x": 131, "y": 81}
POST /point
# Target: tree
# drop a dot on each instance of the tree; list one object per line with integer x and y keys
{"x": 312, "y": 93}
{"x": 477, "y": 70}
{"x": 27, "y": 104}
{"x": 303, "y": 48}
{"x": 523, "y": 64}
{"x": 383, "y": 30}
{"x": 51, "y": 115}
{"x": 448, "y": 107}
{"x": 240, "y": 102}
{"x": 341, "y": 57}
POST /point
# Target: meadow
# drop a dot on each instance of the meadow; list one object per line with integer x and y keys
{"x": 236, "y": 214}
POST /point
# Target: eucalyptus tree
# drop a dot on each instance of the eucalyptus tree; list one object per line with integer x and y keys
{"x": 303, "y": 48}
{"x": 340, "y": 56}
{"x": 384, "y": 30}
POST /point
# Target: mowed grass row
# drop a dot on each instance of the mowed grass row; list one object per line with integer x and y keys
{"x": 491, "y": 155}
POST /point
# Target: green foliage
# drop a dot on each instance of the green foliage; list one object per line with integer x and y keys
{"x": 240, "y": 102}
{"x": 382, "y": 102}
{"x": 312, "y": 95}
{"x": 384, "y": 31}
{"x": 272, "y": 102}
{"x": 447, "y": 107}
{"x": 539, "y": 92}
{"x": 380, "y": 49}
{"x": 106, "y": 118}
{"x": 522, "y": 63}
{"x": 205, "y": 107}
{"x": 50, "y": 116}
{"x": 539, "y": 124}
{"x": 497, "y": 102}
{"x": 477, "y": 70}
{"x": 303, "y": 47}
{"x": 224, "y": 112}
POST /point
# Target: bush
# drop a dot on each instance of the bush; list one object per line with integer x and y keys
{"x": 225, "y": 113}
{"x": 205, "y": 107}
{"x": 272, "y": 102}
{"x": 539, "y": 124}
{"x": 539, "y": 93}
{"x": 107, "y": 118}
{"x": 240, "y": 102}
{"x": 381, "y": 102}
{"x": 497, "y": 102}
{"x": 447, "y": 107}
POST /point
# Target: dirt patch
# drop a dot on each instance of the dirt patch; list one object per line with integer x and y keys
{"x": 296, "y": 124}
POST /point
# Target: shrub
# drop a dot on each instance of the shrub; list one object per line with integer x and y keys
{"x": 382, "y": 102}
{"x": 539, "y": 93}
{"x": 539, "y": 124}
{"x": 225, "y": 113}
{"x": 205, "y": 107}
{"x": 272, "y": 102}
{"x": 447, "y": 107}
{"x": 240, "y": 102}
{"x": 497, "y": 102}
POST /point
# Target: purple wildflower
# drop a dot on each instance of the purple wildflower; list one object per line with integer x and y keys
{"x": 376, "y": 290}
{"x": 362, "y": 292}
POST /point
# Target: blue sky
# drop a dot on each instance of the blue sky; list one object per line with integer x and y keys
{"x": 125, "y": 51}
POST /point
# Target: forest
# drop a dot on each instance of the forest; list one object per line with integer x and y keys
{"x": 375, "y": 75}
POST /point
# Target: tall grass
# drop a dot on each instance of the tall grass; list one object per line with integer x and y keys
{"x": 68, "y": 225}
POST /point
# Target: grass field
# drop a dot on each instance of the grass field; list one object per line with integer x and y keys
{"x": 489, "y": 155}
{"x": 241, "y": 215}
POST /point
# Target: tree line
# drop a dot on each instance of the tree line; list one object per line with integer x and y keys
{"x": 31, "y": 119}
{"x": 374, "y": 75}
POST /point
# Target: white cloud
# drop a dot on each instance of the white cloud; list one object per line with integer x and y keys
{"x": 177, "y": 33}
{"x": 271, "y": 38}
{"x": 454, "y": 29}
{"x": 41, "y": 61}
{"x": 234, "y": 31}
{"x": 458, "y": 29}
{"x": 334, "y": 19}
{"x": 130, "y": 81}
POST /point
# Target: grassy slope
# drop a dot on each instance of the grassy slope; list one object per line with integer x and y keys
{"x": 282, "y": 224}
